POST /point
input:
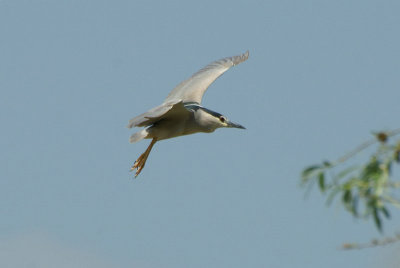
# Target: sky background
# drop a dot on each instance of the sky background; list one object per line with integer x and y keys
{"x": 320, "y": 77}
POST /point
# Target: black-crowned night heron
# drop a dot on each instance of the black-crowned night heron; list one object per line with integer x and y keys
{"x": 181, "y": 113}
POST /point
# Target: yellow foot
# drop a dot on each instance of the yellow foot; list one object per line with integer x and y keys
{"x": 141, "y": 161}
{"x": 139, "y": 164}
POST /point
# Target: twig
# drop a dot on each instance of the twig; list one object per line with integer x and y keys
{"x": 373, "y": 243}
{"x": 366, "y": 144}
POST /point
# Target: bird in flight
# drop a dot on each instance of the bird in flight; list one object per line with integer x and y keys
{"x": 181, "y": 113}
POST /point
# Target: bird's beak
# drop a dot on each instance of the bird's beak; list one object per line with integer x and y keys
{"x": 231, "y": 124}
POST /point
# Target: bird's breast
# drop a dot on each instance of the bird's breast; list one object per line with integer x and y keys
{"x": 168, "y": 129}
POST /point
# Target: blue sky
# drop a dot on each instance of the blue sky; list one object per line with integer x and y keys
{"x": 321, "y": 76}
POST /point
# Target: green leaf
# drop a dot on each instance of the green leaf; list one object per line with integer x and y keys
{"x": 385, "y": 212}
{"x": 372, "y": 170}
{"x": 347, "y": 198}
{"x": 397, "y": 154}
{"x": 354, "y": 206}
{"x": 309, "y": 172}
{"x": 327, "y": 164}
{"x": 306, "y": 172}
{"x": 377, "y": 220}
{"x": 321, "y": 181}
{"x": 388, "y": 167}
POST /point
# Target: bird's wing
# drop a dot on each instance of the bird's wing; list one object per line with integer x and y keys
{"x": 193, "y": 89}
{"x": 164, "y": 111}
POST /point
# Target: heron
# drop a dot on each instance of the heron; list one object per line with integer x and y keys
{"x": 181, "y": 113}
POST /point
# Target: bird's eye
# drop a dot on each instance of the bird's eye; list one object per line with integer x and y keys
{"x": 222, "y": 119}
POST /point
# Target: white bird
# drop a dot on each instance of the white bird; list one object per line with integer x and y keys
{"x": 181, "y": 112}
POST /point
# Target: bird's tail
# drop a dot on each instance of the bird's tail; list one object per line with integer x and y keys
{"x": 138, "y": 136}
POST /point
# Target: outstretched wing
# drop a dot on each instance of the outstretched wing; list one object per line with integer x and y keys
{"x": 171, "y": 109}
{"x": 193, "y": 89}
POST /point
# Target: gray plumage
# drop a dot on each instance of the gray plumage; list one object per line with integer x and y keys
{"x": 181, "y": 112}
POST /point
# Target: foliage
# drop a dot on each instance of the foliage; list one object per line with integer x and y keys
{"x": 366, "y": 190}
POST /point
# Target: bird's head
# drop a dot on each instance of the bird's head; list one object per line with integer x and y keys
{"x": 211, "y": 120}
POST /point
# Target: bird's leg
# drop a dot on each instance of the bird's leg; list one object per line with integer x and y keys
{"x": 141, "y": 161}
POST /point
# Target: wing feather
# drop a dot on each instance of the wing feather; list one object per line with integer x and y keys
{"x": 193, "y": 89}
{"x": 164, "y": 111}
